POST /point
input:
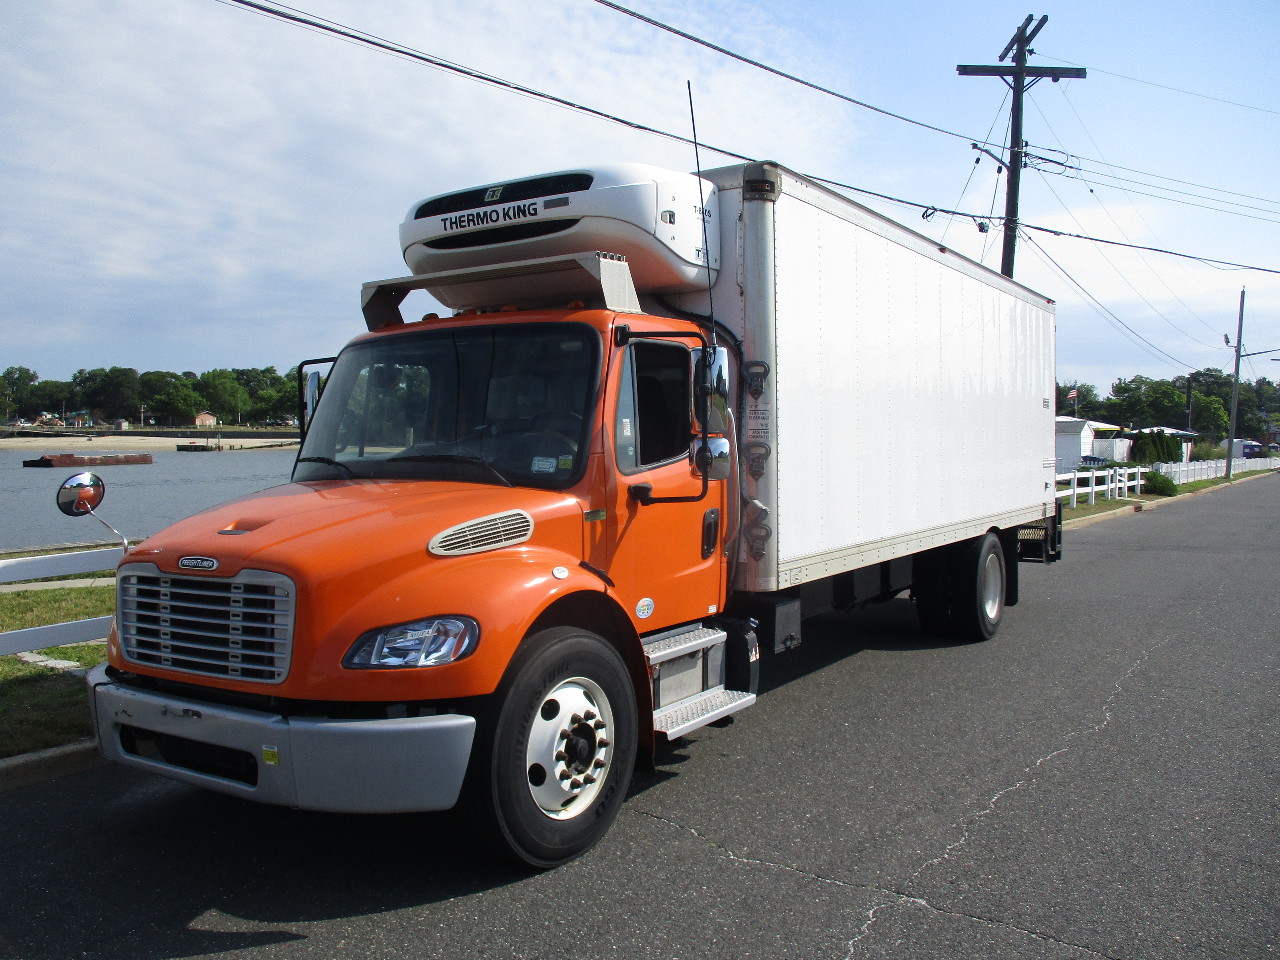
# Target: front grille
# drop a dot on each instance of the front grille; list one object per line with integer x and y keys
{"x": 238, "y": 628}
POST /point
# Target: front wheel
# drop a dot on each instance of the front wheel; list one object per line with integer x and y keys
{"x": 562, "y": 746}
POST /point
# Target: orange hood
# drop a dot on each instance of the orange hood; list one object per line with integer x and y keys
{"x": 311, "y": 531}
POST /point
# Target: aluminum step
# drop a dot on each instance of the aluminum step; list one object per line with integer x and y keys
{"x": 687, "y": 715}
{"x": 670, "y": 646}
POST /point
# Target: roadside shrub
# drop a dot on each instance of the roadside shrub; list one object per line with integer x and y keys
{"x": 1156, "y": 447}
{"x": 1158, "y": 485}
{"x": 1207, "y": 451}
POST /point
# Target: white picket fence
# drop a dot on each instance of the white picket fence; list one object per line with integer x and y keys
{"x": 56, "y": 565}
{"x": 1117, "y": 482}
{"x": 1111, "y": 482}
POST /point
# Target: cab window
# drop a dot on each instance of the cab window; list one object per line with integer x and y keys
{"x": 653, "y": 419}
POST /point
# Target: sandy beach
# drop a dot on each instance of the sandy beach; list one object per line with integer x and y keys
{"x": 118, "y": 443}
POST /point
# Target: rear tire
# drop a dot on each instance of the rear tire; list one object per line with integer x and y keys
{"x": 929, "y": 577}
{"x": 978, "y": 582}
{"x": 561, "y": 746}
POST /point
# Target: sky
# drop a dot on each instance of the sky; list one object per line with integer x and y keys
{"x": 187, "y": 185}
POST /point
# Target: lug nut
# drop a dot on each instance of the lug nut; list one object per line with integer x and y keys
{"x": 575, "y": 784}
{"x": 602, "y": 742}
{"x": 597, "y": 763}
{"x": 588, "y": 779}
{"x": 589, "y": 715}
{"x": 576, "y": 719}
{"x": 561, "y": 755}
{"x": 599, "y": 725}
{"x": 564, "y": 774}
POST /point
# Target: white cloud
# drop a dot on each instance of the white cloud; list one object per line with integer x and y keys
{"x": 188, "y": 185}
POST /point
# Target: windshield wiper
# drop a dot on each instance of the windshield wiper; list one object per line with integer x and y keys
{"x": 451, "y": 458}
{"x": 328, "y": 461}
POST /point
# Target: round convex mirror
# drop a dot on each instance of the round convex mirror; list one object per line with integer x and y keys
{"x": 82, "y": 494}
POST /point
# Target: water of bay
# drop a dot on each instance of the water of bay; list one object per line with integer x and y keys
{"x": 141, "y": 498}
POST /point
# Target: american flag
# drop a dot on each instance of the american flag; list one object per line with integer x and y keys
{"x": 1073, "y": 394}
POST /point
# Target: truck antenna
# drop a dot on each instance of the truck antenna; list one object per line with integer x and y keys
{"x": 702, "y": 212}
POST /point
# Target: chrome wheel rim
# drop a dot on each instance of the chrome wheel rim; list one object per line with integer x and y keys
{"x": 569, "y": 748}
{"x": 992, "y": 584}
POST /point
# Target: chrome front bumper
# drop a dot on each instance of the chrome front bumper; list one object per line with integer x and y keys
{"x": 343, "y": 766}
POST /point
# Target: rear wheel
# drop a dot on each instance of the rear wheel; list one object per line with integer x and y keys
{"x": 978, "y": 588}
{"x": 562, "y": 746}
{"x": 929, "y": 589}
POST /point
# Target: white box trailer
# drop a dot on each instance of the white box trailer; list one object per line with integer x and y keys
{"x": 899, "y": 395}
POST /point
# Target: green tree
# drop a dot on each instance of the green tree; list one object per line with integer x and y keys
{"x": 178, "y": 405}
{"x": 16, "y": 384}
{"x": 223, "y": 395}
{"x": 1209, "y": 417}
{"x": 49, "y": 396}
{"x": 1086, "y": 401}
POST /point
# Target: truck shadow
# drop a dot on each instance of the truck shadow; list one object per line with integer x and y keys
{"x": 149, "y": 869}
{"x": 832, "y": 637}
{"x": 827, "y": 639}
{"x": 153, "y": 869}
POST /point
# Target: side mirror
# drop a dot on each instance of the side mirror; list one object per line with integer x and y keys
{"x": 714, "y": 458}
{"x": 312, "y": 397}
{"x": 310, "y": 386}
{"x": 81, "y": 495}
{"x": 711, "y": 389}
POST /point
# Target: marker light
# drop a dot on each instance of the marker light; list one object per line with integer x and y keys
{"x": 422, "y": 643}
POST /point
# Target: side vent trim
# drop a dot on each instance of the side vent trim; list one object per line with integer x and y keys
{"x": 497, "y": 530}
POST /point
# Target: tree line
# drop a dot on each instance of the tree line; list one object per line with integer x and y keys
{"x": 260, "y": 394}
{"x": 168, "y": 399}
{"x": 1143, "y": 402}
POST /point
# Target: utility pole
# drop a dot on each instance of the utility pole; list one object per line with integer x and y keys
{"x": 1016, "y": 77}
{"x": 1235, "y": 389}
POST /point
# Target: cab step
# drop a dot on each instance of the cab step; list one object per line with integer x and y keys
{"x": 687, "y": 666}
{"x": 681, "y": 718}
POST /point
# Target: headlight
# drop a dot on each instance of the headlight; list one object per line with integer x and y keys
{"x": 422, "y": 643}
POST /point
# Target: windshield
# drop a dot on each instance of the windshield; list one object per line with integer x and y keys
{"x": 503, "y": 404}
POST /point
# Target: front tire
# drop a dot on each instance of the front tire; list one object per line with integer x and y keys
{"x": 562, "y": 746}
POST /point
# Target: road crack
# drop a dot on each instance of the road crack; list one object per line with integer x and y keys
{"x": 965, "y": 825}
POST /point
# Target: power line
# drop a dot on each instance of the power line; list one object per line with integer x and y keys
{"x": 692, "y": 38}
{"x": 1137, "y": 246}
{"x": 350, "y": 34}
{"x": 775, "y": 71}
{"x": 1123, "y": 276}
{"x": 1164, "y": 86}
{"x": 1098, "y": 304}
{"x": 316, "y": 24}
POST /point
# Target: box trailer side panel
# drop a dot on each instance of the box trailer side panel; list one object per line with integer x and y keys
{"x": 909, "y": 398}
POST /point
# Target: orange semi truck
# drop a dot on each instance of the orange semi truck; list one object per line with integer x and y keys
{"x": 670, "y": 417}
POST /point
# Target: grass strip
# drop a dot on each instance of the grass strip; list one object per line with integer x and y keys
{"x": 41, "y": 707}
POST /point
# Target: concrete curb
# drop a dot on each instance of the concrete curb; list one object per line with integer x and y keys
{"x": 32, "y": 768}
{"x": 1141, "y": 505}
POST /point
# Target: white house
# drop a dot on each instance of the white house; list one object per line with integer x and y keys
{"x": 1075, "y": 439}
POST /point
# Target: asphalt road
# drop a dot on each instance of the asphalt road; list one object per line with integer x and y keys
{"x": 1099, "y": 781}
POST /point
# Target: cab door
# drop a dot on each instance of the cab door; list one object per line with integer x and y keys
{"x": 666, "y": 560}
